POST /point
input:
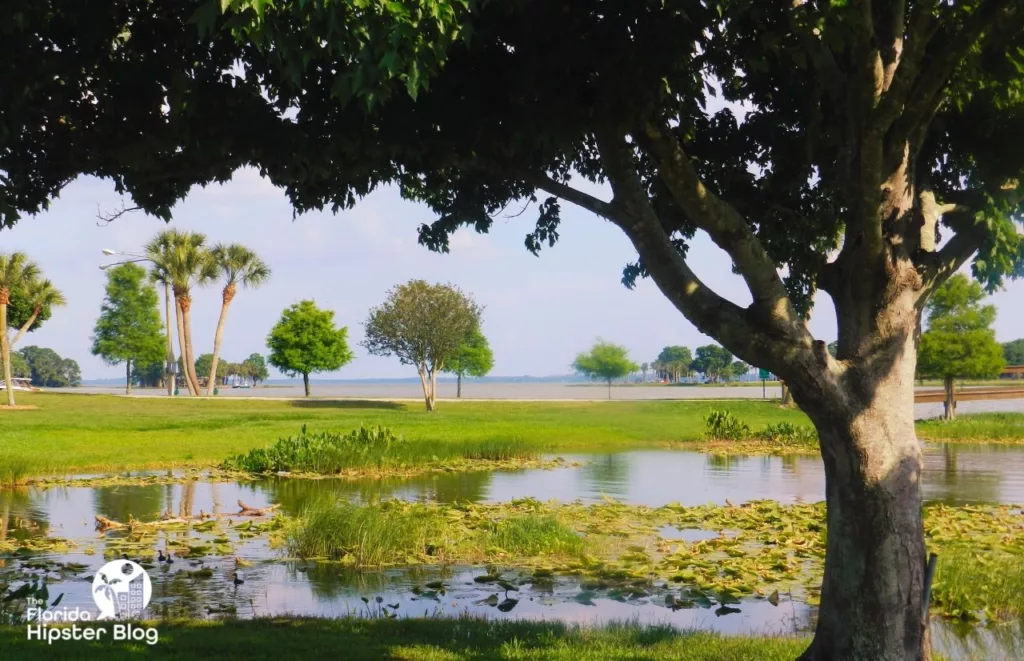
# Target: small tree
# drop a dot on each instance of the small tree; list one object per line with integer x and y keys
{"x": 738, "y": 369}
{"x": 129, "y": 329}
{"x": 643, "y": 372}
{"x": 712, "y": 361}
{"x": 959, "y": 342}
{"x": 604, "y": 362}
{"x": 423, "y": 325}
{"x": 257, "y": 365}
{"x": 474, "y": 358}
{"x": 306, "y": 341}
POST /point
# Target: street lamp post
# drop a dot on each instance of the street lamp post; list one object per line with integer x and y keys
{"x": 170, "y": 368}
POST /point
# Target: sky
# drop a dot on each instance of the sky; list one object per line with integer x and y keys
{"x": 539, "y": 312}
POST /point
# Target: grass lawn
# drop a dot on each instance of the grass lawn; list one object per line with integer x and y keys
{"x": 104, "y": 432}
{"x": 432, "y": 639}
{"x": 979, "y": 427}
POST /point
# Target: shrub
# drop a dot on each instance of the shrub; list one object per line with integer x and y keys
{"x": 786, "y": 433}
{"x": 321, "y": 452}
{"x": 724, "y": 426}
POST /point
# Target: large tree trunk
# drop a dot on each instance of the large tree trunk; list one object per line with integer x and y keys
{"x": 305, "y": 382}
{"x": 872, "y": 598}
{"x": 190, "y": 361}
{"x": 458, "y": 386}
{"x": 179, "y": 318}
{"x": 26, "y": 325}
{"x": 128, "y": 377}
{"x": 950, "y": 403}
{"x": 5, "y": 347}
{"x": 168, "y": 377}
{"x": 228, "y": 295}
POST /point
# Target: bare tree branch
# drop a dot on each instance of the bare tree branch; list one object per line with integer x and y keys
{"x": 938, "y": 266}
{"x": 107, "y": 217}
{"x": 579, "y": 198}
{"x": 727, "y": 228}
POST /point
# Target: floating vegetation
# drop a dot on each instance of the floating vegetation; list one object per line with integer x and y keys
{"x": 377, "y": 451}
{"x": 727, "y": 434}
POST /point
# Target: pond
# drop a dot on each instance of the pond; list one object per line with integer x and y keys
{"x": 953, "y": 475}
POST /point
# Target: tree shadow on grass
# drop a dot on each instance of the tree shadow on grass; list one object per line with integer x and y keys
{"x": 347, "y": 404}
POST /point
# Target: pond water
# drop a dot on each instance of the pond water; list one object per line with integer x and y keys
{"x": 953, "y": 474}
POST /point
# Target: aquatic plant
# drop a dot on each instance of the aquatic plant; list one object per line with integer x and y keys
{"x": 533, "y": 534}
{"x": 786, "y": 433}
{"x": 320, "y": 452}
{"x": 13, "y": 470}
{"x": 373, "y": 449}
{"x": 724, "y": 426}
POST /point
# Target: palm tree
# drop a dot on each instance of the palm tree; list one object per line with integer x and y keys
{"x": 182, "y": 260}
{"x": 41, "y": 294}
{"x": 239, "y": 266}
{"x": 16, "y": 270}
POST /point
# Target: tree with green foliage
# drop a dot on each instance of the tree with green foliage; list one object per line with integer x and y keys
{"x": 866, "y": 128}
{"x": 181, "y": 259}
{"x": 41, "y": 296}
{"x": 713, "y": 361}
{"x": 674, "y": 361}
{"x": 17, "y": 271}
{"x": 129, "y": 329}
{"x": 306, "y": 341}
{"x": 1013, "y": 352}
{"x": 604, "y": 362}
{"x": 643, "y": 372}
{"x": 474, "y": 358}
{"x": 49, "y": 369}
{"x": 20, "y": 368}
{"x": 425, "y": 326}
{"x": 257, "y": 366}
{"x": 239, "y": 266}
{"x": 959, "y": 342}
{"x": 738, "y": 369}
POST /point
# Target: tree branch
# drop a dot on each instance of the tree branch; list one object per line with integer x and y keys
{"x": 579, "y": 198}
{"x": 750, "y": 339}
{"x": 925, "y": 96}
{"x": 723, "y": 223}
{"x": 938, "y": 266}
{"x": 107, "y": 217}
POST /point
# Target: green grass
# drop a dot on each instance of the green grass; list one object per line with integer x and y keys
{"x": 969, "y": 584}
{"x": 397, "y": 532}
{"x": 429, "y": 639}
{"x": 979, "y": 427}
{"x": 81, "y": 433}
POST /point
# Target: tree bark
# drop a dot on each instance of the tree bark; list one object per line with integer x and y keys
{"x": 787, "y": 396}
{"x": 305, "y": 382}
{"x": 950, "y": 403}
{"x": 609, "y": 388}
{"x": 427, "y": 382}
{"x": 872, "y": 597}
{"x": 458, "y": 386}
{"x": 128, "y": 377}
{"x": 190, "y": 361}
{"x": 168, "y": 377}
{"x": 26, "y": 326}
{"x": 5, "y": 347}
{"x": 179, "y": 318}
{"x": 228, "y": 295}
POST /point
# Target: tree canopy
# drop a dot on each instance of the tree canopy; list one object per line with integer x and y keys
{"x": 959, "y": 342}
{"x": 257, "y": 365}
{"x": 425, "y": 326}
{"x": 129, "y": 329}
{"x": 713, "y": 361}
{"x": 1013, "y": 352}
{"x": 306, "y": 341}
{"x": 474, "y": 358}
{"x": 674, "y": 361}
{"x": 49, "y": 369}
{"x": 604, "y": 362}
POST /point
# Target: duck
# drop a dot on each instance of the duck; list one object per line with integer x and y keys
{"x": 237, "y": 579}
